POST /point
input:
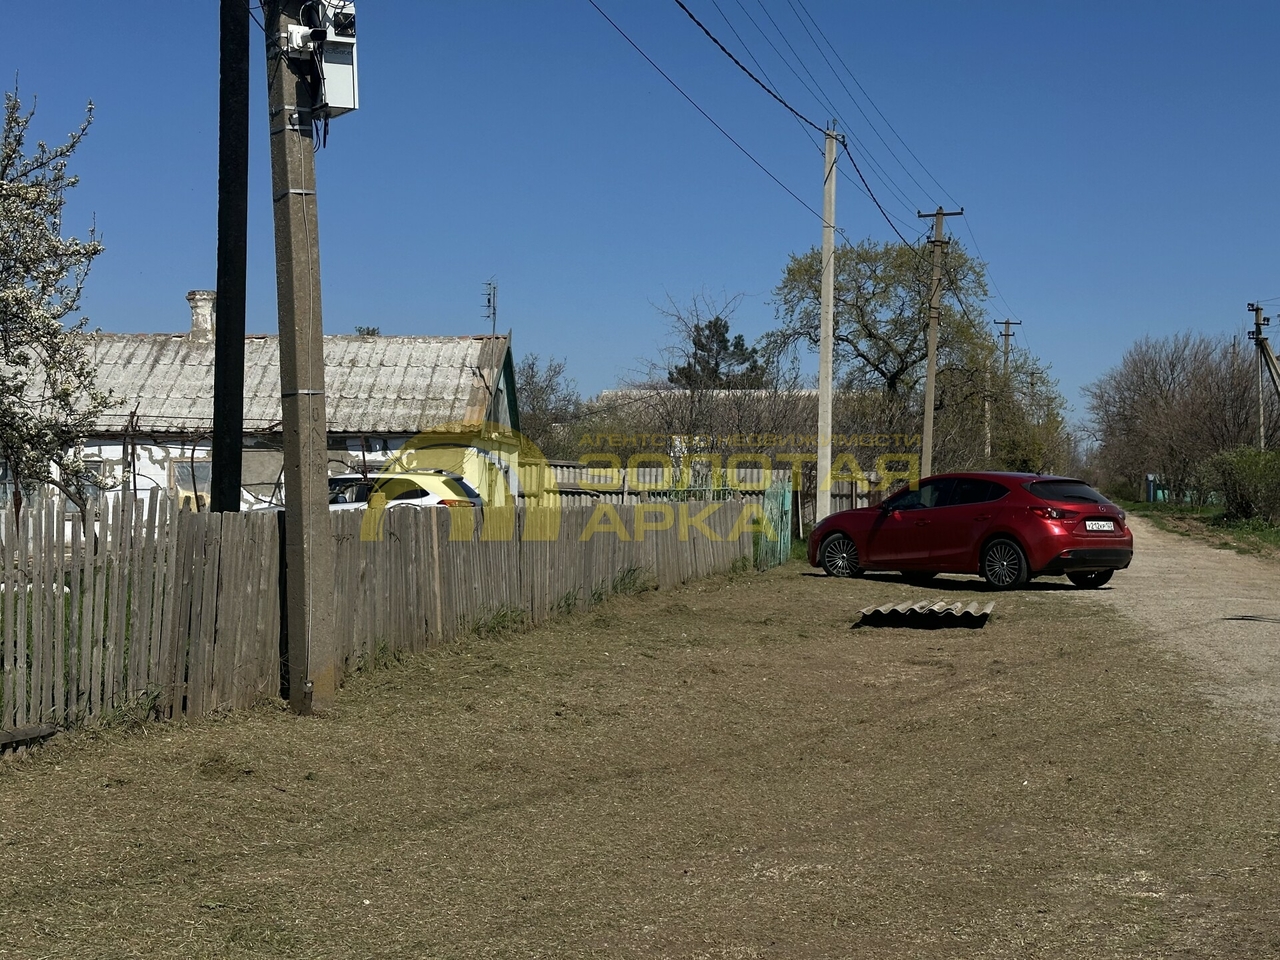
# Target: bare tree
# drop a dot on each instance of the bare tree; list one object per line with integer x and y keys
{"x": 550, "y": 406}
{"x": 1169, "y": 406}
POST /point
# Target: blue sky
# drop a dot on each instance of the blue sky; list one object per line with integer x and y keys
{"x": 1117, "y": 162}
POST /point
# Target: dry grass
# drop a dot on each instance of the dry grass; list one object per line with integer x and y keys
{"x": 727, "y": 771}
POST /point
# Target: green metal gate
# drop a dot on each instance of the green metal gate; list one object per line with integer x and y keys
{"x": 773, "y": 547}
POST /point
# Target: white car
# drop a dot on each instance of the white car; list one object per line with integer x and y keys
{"x": 436, "y": 488}
{"x": 426, "y": 488}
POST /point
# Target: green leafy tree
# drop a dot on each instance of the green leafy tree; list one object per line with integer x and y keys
{"x": 881, "y": 311}
{"x": 881, "y": 319}
{"x": 48, "y": 398}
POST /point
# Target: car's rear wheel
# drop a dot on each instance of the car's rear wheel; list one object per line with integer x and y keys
{"x": 839, "y": 556}
{"x": 1004, "y": 565}
{"x": 1090, "y": 579}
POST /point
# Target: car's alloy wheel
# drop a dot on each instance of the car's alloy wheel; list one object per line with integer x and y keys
{"x": 1004, "y": 565}
{"x": 840, "y": 556}
{"x": 1090, "y": 579}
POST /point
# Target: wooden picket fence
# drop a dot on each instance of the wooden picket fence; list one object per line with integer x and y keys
{"x": 167, "y": 613}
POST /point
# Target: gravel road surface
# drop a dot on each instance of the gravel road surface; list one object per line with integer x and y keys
{"x": 1219, "y": 608}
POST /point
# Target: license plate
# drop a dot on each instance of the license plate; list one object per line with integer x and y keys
{"x": 1107, "y": 526}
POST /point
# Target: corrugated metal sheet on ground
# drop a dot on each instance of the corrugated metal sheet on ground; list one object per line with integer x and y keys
{"x": 926, "y": 614}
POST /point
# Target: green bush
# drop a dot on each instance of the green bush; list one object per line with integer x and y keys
{"x": 1250, "y": 484}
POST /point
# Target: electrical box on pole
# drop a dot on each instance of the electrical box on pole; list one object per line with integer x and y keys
{"x": 327, "y": 37}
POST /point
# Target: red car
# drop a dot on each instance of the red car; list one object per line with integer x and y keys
{"x": 1008, "y": 527}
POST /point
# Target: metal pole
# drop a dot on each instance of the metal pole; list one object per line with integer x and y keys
{"x": 826, "y": 343}
{"x": 308, "y": 539}
{"x": 233, "y": 220}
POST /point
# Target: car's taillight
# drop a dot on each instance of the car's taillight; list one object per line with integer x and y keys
{"x": 456, "y": 503}
{"x": 1054, "y": 513}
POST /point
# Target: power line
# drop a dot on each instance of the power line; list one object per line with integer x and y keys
{"x": 725, "y": 50}
{"x": 827, "y": 102}
{"x": 847, "y": 91}
{"x": 892, "y": 225}
{"x": 763, "y": 86}
{"x": 799, "y": 120}
{"x": 878, "y": 111}
{"x": 734, "y": 30}
{"x": 995, "y": 286}
{"x": 707, "y": 116}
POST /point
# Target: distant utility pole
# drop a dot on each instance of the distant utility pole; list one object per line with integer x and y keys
{"x": 491, "y": 306}
{"x": 1007, "y": 337}
{"x": 1259, "y": 321}
{"x": 233, "y": 230}
{"x": 826, "y": 342}
{"x": 939, "y": 242}
{"x": 1266, "y": 361}
{"x": 292, "y": 92}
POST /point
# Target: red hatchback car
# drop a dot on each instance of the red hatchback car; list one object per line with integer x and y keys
{"x": 1008, "y": 527}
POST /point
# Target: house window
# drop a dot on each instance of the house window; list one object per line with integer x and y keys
{"x": 191, "y": 480}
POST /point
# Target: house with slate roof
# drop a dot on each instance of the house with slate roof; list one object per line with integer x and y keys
{"x": 384, "y": 396}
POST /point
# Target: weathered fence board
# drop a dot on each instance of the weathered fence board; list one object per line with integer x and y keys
{"x": 148, "y": 605}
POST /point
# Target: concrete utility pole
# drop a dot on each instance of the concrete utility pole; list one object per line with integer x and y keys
{"x": 826, "y": 341}
{"x": 1259, "y": 321}
{"x": 308, "y": 539}
{"x": 233, "y": 231}
{"x": 1266, "y": 361}
{"x": 931, "y": 361}
{"x": 1007, "y": 337}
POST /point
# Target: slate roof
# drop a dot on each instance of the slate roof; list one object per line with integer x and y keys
{"x": 392, "y": 385}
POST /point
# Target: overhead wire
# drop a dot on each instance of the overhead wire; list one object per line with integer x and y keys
{"x": 994, "y": 286}
{"x": 708, "y": 116}
{"x": 848, "y": 92}
{"x": 826, "y": 101}
{"x": 820, "y": 96}
{"x": 772, "y": 93}
{"x": 877, "y": 170}
{"x": 877, "y": 109}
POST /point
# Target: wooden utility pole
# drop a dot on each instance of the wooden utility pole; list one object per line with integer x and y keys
{"x": 233, "y": 232}
{"x": 308, "y": 539}
{"x": 826, "y": 341}
{"x": 938, "y": 243}
{"x": 1007, "y": 337}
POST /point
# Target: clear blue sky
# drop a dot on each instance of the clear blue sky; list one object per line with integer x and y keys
{"x": 1118, "y": 162}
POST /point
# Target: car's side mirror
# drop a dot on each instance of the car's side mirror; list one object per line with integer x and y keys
{"x": 886, "y": 507}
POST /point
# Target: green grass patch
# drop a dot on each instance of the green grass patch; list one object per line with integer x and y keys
{"x": 1247, "y": 536}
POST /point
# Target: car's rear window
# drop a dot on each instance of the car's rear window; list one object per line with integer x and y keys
{"x": 1068, "y": 491}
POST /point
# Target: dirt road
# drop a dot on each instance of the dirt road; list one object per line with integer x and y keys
{"x": 1218, "y": 608}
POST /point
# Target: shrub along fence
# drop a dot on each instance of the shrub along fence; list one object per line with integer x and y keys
{"x": 172, "y": 613}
